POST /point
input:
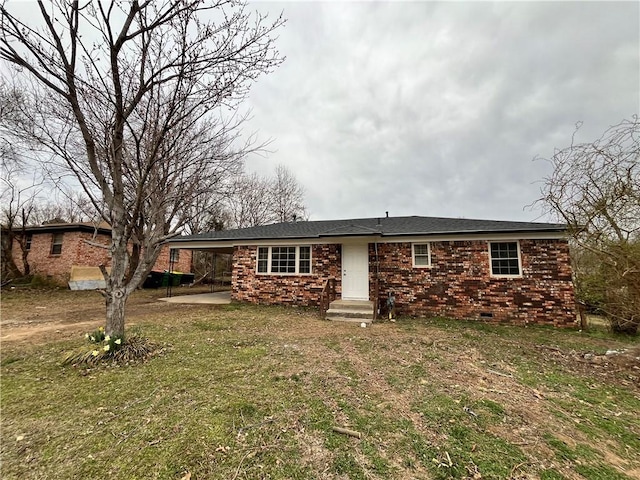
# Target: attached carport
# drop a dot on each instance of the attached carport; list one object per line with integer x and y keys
{"x": 214, "y": 252}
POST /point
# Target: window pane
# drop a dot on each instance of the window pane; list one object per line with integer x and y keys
{"x": 263, "y": 257}
{"x": 283, "y": 259}
{"x": 421, "y": 254}
{"x": 56, "y": 243}
{"x": 421, "y": 261}
{"x": 504, "y": 258}
{"x": 421, "y": 249}
{"x": 305, "y": 260}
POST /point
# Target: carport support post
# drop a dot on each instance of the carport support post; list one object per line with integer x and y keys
{"x": 213, "y": 280}
{"x": 171, "y": 267}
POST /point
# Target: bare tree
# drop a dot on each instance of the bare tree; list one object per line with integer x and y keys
{"x": 287, "y": 196}
{"x": 19, "y": 197}
{"x": 257, "y": 200}
{"x": 250, "y": 202}
{"x": 20, "y": 187}
{"x": 136, "y": 100}
{"x": 595, "y": 188}
{"x": 72, "y": 207}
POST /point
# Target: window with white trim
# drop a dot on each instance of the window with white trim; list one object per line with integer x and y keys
{"x": 284, "y": 260}
{"x": 421, "y": 255}
{"x": 174, "y": 255}
{"x": 505, "y": 258}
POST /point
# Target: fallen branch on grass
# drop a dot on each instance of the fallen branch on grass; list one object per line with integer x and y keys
{"x": 346, "y": 431}
{"x": 508, "y": 375}
{"x": 259, "y": 424}
{"x": 549, "y": 347}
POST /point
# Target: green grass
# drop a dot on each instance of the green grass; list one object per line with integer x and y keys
{"x": 254, "y": 392}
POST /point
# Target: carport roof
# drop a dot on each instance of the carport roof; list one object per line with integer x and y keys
{"x": 383, "y": 227}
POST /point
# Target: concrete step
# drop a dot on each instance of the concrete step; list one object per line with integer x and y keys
{"x": 349, "y": 313}
{"x": 351, "y": 305}
{"x": 354, "y": 320}
{"x": 356, "y": 311}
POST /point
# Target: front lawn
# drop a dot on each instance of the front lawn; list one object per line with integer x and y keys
{"x": 255, "y": 392}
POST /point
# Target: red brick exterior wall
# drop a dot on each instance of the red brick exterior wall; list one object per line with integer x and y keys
{"x": 76, "y": 251}
{"x": 182, "y": 265}
{"x": 457, "y": 285}
{"x": 303, "y": 290}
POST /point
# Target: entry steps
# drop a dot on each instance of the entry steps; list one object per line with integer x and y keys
{"x": 356, "y": 311}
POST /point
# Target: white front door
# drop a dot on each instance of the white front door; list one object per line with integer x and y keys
{"x": 355, "y": 271}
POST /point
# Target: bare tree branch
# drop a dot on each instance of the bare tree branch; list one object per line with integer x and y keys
{"x": 595, "y": 189}
{"x": 137, "y": 101}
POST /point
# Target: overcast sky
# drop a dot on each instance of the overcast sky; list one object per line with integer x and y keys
{"x": 438, "y": 108}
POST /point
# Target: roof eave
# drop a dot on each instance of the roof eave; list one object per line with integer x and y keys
{"x": 473, "y": 232}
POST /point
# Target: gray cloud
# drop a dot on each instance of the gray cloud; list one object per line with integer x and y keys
{"x": 429, "y": 108}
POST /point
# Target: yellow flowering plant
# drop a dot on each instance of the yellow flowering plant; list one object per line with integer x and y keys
{"x": 97, "y": 336}
{"x": 111, "y": 348}
{"x": 108, "y": 344}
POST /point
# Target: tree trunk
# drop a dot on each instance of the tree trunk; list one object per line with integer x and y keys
{"x": 9, "y": 265}
{"x": 117, "y": 292}
{"x": 134, "y": 260}
{"x": 25, "y": 260}
{"x": 116, "y": 301}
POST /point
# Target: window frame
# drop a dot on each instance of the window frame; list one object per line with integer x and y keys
{"x": 413, "y": 255}
{"x": 54, "y": 244}
{"x": 27, "y": 241}
{"x": 518, "y": 258}
{"x": 270, "y": 264}
{"x": 174, "y": 255}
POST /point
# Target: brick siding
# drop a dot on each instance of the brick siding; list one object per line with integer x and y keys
{"x": 302, "y": 290}
{"x": 77, "y": 251}
{"x": 182, "y": 265}
{"x": 457, "y": 285}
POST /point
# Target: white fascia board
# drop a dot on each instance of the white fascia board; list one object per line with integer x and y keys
{"x": 304, "y": 241}
{"x": 200, "y": 245}
{"x": 213, "y": 244}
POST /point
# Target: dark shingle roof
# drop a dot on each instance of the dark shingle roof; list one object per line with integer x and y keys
{"x": 385, "y": 227}
{"x": 69, "y": 227}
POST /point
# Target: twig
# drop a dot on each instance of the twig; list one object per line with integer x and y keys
{"x": 548, "y": 347}
{"x": 239, "y": 465}
{"x": 346, "y": 431}
{"x": 508, "y": 375}
{"x": 513, "y": 470}
{"x": 254, "y": 425}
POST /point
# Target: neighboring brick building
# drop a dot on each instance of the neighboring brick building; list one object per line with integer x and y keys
{"x": 55, "y": 248}
{"x": 511, "y": 272}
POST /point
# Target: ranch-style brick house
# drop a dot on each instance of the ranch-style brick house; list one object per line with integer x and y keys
{"x": 498, "y": 271}
{"x": 55, "y": 248}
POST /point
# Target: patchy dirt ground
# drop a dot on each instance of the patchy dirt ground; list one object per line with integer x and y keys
{"x": 534, "y": 385}
{"x": 31, "y": 315}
